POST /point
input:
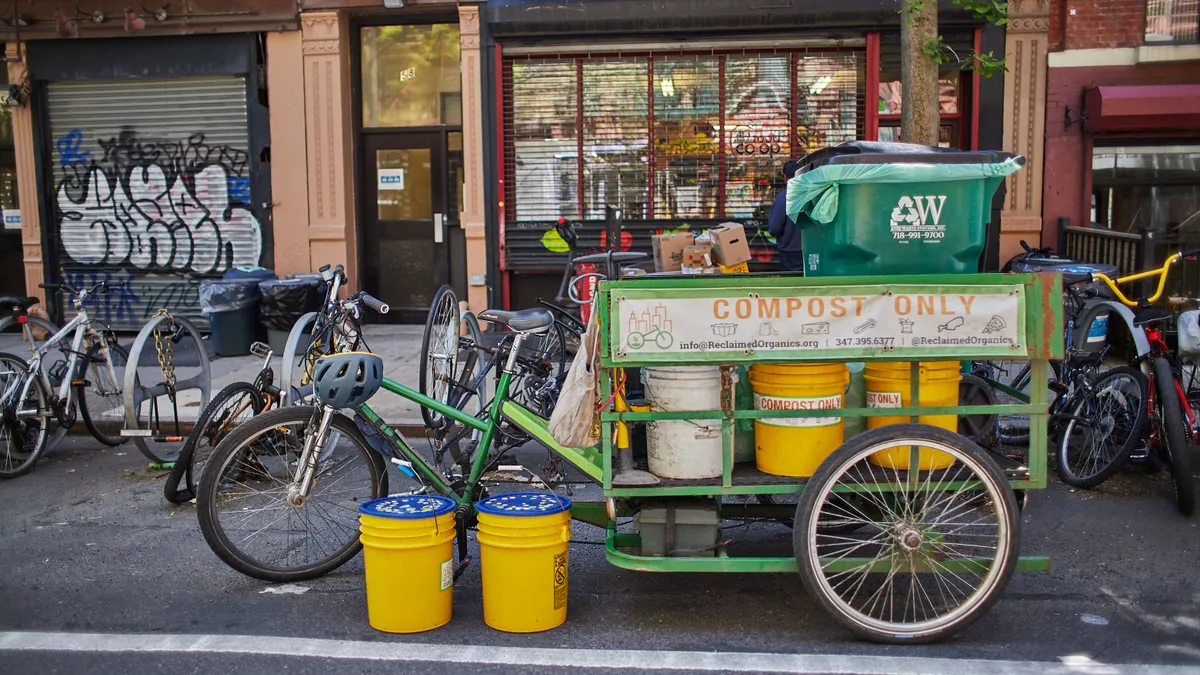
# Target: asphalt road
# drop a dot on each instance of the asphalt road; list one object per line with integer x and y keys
{"x": 101, "y": 575}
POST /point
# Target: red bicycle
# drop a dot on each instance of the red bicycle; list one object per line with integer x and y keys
{"x": 1173, "y": 421}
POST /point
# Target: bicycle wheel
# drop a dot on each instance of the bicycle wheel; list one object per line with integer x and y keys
{"x": 99, "y": 395}
{"x": 234, "y": 405}
{"x": 936, "y": 549}
{"x": 1172, "y": 437}
{"x": 540, "y": 383}
{"x": 1103, "y": 428}
{"x": 247, "y": 501}
{"x": 22, "y": 435}
{"x": 1005, "y": 378}
{"x": 980, "y": 427}
{"x": 439, "y": 353}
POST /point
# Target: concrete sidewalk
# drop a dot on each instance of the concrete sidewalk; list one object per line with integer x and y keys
{"x": 400, "y": 347}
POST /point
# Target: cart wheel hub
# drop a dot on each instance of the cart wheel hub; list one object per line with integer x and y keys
{"x": 911, "y": 540}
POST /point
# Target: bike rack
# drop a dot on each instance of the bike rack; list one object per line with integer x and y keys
{"x": 289, "y": 357}
{"x": 136, "y": 394}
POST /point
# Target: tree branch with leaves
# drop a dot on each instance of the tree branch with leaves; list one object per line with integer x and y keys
{"x": 923, "y": 51}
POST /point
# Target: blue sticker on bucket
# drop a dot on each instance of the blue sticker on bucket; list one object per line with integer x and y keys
{"x": 410, "y": 507}
{"x": 524, "y": 504}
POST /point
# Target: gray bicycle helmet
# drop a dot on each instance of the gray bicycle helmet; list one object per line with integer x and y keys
{"x": 348, "y": 379}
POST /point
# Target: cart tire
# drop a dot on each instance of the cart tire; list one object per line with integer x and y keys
{"x": 968, "y": 504}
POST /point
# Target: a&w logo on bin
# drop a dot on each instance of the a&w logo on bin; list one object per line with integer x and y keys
{"x": 919, "y": 218}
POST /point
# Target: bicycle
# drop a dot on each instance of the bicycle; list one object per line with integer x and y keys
{"x": 232, "y": 406}
{"x": 301, "y": 452}
{"x": 1172, "y": 423}
{"x": 88, "y": 384}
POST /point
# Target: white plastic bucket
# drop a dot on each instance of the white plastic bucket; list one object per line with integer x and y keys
{"x": 684, "y": 448}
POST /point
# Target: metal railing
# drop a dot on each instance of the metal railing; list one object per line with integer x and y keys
{"x": 1136, "y": 252}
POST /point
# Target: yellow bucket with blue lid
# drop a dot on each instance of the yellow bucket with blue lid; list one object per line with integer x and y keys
{"x": 523, "y": 539}
{"x": 408, "y": 554}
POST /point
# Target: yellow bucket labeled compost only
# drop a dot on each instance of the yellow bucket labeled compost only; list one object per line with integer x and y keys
{"x": 889, "y": 386}
{"x": 797, "y": 446}
{"x": 408, "y": 554}
{"x": 523, "y": 540}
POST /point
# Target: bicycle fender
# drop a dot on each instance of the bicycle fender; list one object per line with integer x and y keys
{"x": 1094, "y": 307}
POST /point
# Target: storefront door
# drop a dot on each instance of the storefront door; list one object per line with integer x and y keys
{"x": 406, "y": 221}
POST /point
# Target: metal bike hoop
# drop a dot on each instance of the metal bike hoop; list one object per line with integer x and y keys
{"x": 134, "y": 396}
{"x": 289, "y": 356}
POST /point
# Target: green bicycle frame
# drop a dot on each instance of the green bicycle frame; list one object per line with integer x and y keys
{"x": 587, "y": 460}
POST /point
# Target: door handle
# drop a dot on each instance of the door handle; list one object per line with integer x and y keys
{"x": 439, "y": 234}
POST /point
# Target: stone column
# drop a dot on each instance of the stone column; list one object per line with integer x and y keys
{"x": 27, "y": 179}
{"x": 289, "y": 175}
{"x": 472, "y": 216}
{"x": 1025, "y": 121}
{"x": 329, "y": 144}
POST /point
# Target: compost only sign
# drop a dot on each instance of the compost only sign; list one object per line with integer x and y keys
{"x": 950, "y": 323}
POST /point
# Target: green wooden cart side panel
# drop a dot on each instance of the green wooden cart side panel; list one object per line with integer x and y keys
{"x": 587, "y": 460}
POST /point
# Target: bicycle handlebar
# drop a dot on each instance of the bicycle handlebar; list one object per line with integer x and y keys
{"x": 102, "y": 286}
{"x": 1161, "y": 273}
{"x": 374, "y": 303}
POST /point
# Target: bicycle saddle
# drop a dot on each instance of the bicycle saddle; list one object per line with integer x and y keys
{"x": 617, "y": 257}
{"x": 18, "y": 305}
{"x": 1150, "y": 315}
{"x": 525, "y": 321}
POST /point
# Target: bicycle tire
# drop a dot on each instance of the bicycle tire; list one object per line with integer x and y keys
{"x": 1020, "y": 381}
{"x": 1172, "y": 437}
{"x": 929, "y": 548}
{"x": 444, "y": 320}
{"x": 181, "y": 482}
{"x": 248, "y": 441}
{"x": 19, "y": 461}
{"x": 91, "y": 372}
{"x": 1108, "y": 464}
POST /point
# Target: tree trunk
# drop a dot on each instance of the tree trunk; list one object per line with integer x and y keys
{"x": 918, "y": 73}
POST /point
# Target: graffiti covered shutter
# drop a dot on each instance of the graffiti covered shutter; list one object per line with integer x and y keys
{"x": 151, "y": 187}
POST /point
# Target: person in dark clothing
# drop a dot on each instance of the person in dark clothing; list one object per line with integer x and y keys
{"x": 787, "y": 235}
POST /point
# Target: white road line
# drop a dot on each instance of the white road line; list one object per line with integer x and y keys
{"x": 565, "y": 658}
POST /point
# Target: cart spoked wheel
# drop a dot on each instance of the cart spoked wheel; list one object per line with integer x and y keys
{"x": 935, "y": 549}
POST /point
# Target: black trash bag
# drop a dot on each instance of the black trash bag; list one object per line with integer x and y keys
{"x": 284, "y": 301}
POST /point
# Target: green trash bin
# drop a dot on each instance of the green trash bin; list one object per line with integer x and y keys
{"x": 895, "y": 212}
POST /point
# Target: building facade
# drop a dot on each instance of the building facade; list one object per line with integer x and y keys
{"x": 1123, "y": 127}
{"x": 422, "y": 142}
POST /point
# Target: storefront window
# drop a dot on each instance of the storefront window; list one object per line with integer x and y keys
{"x": 543, "y": 136}
{"x": 614, "y": 136}
{"x": 1148, "y": 189}
{"x": 687, "y": 136}
{"x": 411, "y": 76}
{"x": 670, "y": 136}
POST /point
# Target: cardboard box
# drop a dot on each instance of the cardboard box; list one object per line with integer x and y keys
{"x": 740, "y": 268}
{"x": 729, "y": 244}
{"x": 698, "y": 255}
{"x": 668, "y": 250}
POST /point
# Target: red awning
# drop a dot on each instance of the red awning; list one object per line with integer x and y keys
{"x": 1166, "y": 107}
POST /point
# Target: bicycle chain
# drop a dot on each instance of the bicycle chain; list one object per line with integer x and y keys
{"x": 165, "y": 352}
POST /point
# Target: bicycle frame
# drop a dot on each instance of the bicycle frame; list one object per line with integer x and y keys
{"x": 80, "y": 326}
{"x": 582, "y": 458}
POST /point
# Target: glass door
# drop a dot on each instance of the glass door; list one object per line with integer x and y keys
{"x": 407, "y": 244}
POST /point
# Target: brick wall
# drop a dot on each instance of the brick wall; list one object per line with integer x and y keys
{"x": 1066, "y": 183}
{"x": 1096, "y": 23}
